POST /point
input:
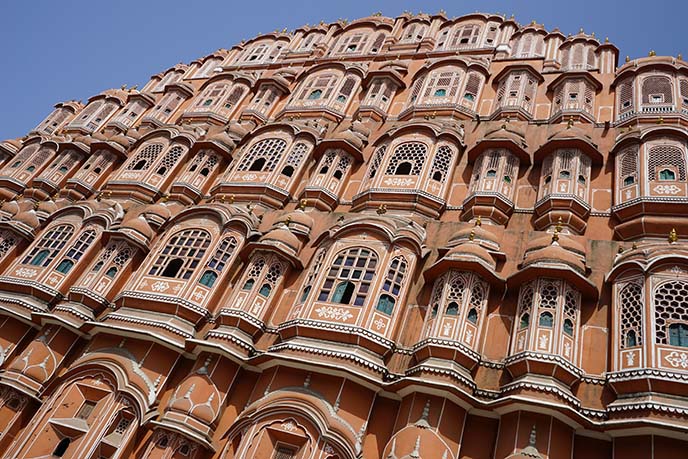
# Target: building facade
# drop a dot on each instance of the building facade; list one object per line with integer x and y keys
{"x": 413, "y": 237}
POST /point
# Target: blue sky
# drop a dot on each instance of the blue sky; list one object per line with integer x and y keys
{"x": 72, "y": 49}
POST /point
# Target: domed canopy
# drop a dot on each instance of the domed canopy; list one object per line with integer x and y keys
{"x": 555, "y": 260}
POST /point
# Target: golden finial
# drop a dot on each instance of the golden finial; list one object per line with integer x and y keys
{"x": 479, "y": 221}
{"x": 231, "y": 199}
{"x": 660, "y": 120}
{"x": 302, "y": 204}
{"x": 533, "y": 22}
{"x": 19, "y": 196}
{"x": 555, "y": 235}
{"x": 287, "y": 220}
{"x": 592, "y": 35}
{"x": 652, "y": 53}
{"x": 382, "y": 209}
{"x": 679, "y": 57}
{"x": 559, "y": 226}
{"x": 249, "y": 207}
{"x": 99, "y": 196}
{"x": 123, "y": 87}
{"x": 220, "y": 198}
{"x": 634, "y": 246}
{"x": 581, "y": 30}
{"x": 135, "y": 87}
{"x": 512, "y": 16}
{"x": 569, "y": 125}
{"x": 606, "y": 39}
{"x": 35, "y": 205}
{"x": 673, "y": 237}
{"x": 628, "y": 59}
{"x": 442, "y": 12}
{"x": 55, "y": 196}
{"x": 284, "y": 30}
{"x": 165, "y": 197}
{"x": 620, "y": 250}
{"x": 471, "y": 236}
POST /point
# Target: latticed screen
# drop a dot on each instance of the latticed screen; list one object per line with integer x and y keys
{"x": 408, "y": 159}
{"x": 441, "y": 162}
{"x": 671, "y": 306}
{"x": 223, "y": 254}
{"x": 284, "y": 453}
{"x": 349, "y": 277}
{"x": 144, "y": 158}
{"x": 666, "y": 155}
{"x": 376, "y": 161}
{"x": 657, "y": 89}
{"x": 182, "y": 254}
{"x": 268, "y": 150}
{"x": 631, "y": 315}
{"x": 49, "y": 246}
{"x": 395, "y": 276}
{"x": 169, "y": 160}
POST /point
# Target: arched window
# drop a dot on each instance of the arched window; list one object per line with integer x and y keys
{"x": 49, "y": 246}
{"x": 411, "y": 153}
{"x": 662, "y": 156}
{"x": 392, "y": 285}
{"x": 267, "y": 150}
{"x": 631, "y": 315}
{"x": 351, "y": 274}
{"x": 145, "y": 157}
{"x": 568, "y": 327}
{"x": 472, "y": 316}
{"x": 413, "y": 33}
{"x": 221, "y": 257}
{"x": 452, "y": 309}
{"x": 671, "y": 312}
{"x": 318, "y": 88}
{"x": 182, "y": 254}
{"x": 546, "y": 319}
{"x": 385, "y": 304}
{"x": 170, "y": 160}
{"x": 524, "y": 322}
{"x": 76, "y": 251}
{"x": 312, "y": 274}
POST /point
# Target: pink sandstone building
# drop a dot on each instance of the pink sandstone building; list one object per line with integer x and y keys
{"x": 393, "y": 238}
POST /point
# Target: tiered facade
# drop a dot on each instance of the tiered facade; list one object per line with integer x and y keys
{"x": 417, "y": 237}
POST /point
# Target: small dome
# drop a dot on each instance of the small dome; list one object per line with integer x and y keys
{"x": 139, "y": 225}
{"x": 11, "y": 207}
{"x": 28, "y": 218}
{"x": 555, "y": 253}
{"x": 479, "y": 234}
{"x": 85, "y": 139}
{"x": 564, "y": 241}
{"x": 122, "y": 140}
{"x": 300, "y": 222}
{"x": 47, "y": 206}
{"x": 161, "y": 210}
{"x": 571, "y": 132}
{"x": 471, "y": 249}
{"x": 282, "y": 235}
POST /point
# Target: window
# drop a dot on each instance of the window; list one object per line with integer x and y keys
{"x": 284, "y": 453}
{"x": 472, "y": 316}
{"x": 221, "y": 257}
{"x": 666, "y": 174}
{"x": 263, "y": 155}
{"x": 145, "y": 157}
{"x": 343, "y": 292}
{"x": 568, "y": 327}
{"x": 76, "y": 251}
{"x": 440, "y": 92}
{"x": 631, "y": 315}
{"x": 546, "y": 320}
{"x": 61, "y": 447}
{"x": 182, "y": 254}
{"x": 629, "y": 181}
{"x": 315, "y": 95}
{"x": 85, "y": 410}
{"x": 662, "y": 156}
{"x": 671, "y": 312}
{"x": 411, "y": 153}
{"x": 350, "y": 276}
{"x": 678, "y": 335}
{"x": 49, "y": 246}
{"x": 452, "y": 309}
{"x": 524, "y": 322}
{"x": 385, "y": 304}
